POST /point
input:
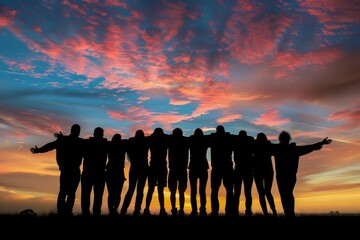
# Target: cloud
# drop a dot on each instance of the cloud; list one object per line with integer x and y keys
{"x": 228, "y": 118}
{"x": 271, "y": 118}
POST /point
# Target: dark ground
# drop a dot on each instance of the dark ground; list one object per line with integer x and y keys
{"x": 141, "y": 227}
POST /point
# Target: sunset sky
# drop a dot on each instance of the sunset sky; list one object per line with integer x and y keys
{"x": 262, "y": 66}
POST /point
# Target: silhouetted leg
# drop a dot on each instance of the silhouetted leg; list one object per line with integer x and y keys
{"x": 181, "y": 201}
{"x": 173, "y": 202}
{"x": 61, "y": 205}
{"x": 229, "y": 186}
{"x": 248, "y": 182}
{"x": 64, "y": 189}
{"x": 260, "y": 189}
{"x": 161, "y": 197}
{"x": 291, "y": 199}
{"x": 98, "y": 196}
{"x": 202, "y": 192}
{"x": 118, "y": 191}
{"x": 149, "y": 197}
{"x": 86, "y": 187}
{"x": 140, "y": 193}
{"x": 215, "y": 185}
{"x": 193, "y": 192}
{"x": 237, "y": 193}
{"x": 286, "y": 194}
{"x": 110, "y": 198}
{"x": 268, "y": 194}
{"x": 128, "y": 196}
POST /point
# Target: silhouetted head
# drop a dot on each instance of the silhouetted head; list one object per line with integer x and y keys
{"x": 177, "y": 132}
{"x": 242, "y": 133}
{"x": 284, "y": 137}
{"x": 220, "y": 129}
{"x": 198, "y": 132}
{"x": 261, "y": 137}
{"x": 139, "y": 134}
{"x": 158, "y": 131}
{"x": 75, "y": 130}
{"x": 98, "y": 132}
{"x": 116, "y": 138}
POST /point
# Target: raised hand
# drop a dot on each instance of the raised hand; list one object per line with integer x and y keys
{"x": 58, "y": 135}
{"x": 34, "y": 149}
{"x": 326, "y": 141}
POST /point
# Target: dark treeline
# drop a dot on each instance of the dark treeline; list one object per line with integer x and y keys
{"x": 176, "y": 161}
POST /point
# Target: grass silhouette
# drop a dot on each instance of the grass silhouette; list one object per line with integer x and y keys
{"x": 154, "y": 226}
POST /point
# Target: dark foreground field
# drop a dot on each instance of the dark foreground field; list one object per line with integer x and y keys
{"x": 156, "y": 227}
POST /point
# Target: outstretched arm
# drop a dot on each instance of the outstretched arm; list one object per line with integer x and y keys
{"x": 47, "y": 147}
{"x": 302, "y": 150}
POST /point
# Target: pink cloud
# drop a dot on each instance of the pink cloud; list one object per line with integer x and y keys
{"x": 6, "y": 16}
{"x": 329, "y": 12}
{"x": 117, "y": 3}
{"x": 25, "y": 67}
{"x": 289, "y": 61}
{"x": 143, "y": 98}
{"x": 143, "y": 117}
{"x": 350, "y": 117}
{"x": 228, "y": 118}
{"x": 179, "y": 102}
{"x": 271, "y": 118}
{"x": 77, "y": 8}
{"x": 250, "y": 38}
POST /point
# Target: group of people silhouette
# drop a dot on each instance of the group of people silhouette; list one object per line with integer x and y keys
{"x": 170, "y": 160}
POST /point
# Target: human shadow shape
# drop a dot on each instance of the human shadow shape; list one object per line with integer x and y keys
{"x": 114, "y": 174}
{"x": 137, "y": 150}
{"x": 198, "y": 171}
{"x": 158, "y": 171}
{"x": 69, "y": 156}
{"x": 93, "y": 173}
{"x": 287, "y": 155}
{"x": 264, "y": 173}
{"x": 178, "y": 157}
{"x": 221, "y": 151}
{"x": 243, "y": 146}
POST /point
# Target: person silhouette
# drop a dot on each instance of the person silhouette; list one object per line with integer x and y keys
{"x": 222, "y": 167}
{"x": 264, "y": 172}
{"x": 198, "y": 171}
{"x": 287, "y": 155}
{"x": 93, "y": 174}
{"x": 158, "y": 171}
{"x": 69, "y": 156}
{"x": 178, "y": 155}
{"x": 244, "y": 170}
{"x": 114, "y": 172}
{"x": 138, "y": 149}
